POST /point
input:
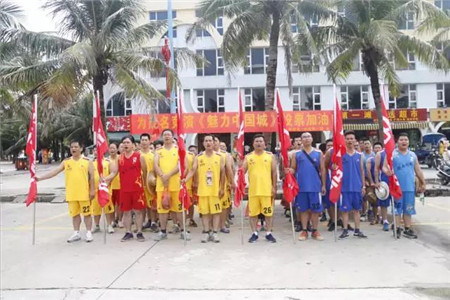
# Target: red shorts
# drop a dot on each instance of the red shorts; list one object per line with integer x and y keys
{"x": 116, "y": 197}
{"x": 132, "y": 200}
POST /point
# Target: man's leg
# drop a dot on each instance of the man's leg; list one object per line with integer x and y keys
{"x": 206, "y": 221}
{"x": 139, "y": 219}
{"x": 315, "y": 220}
{"x": 76, "y": 221}
{"x": 345, "y": 219}
{"x": 127, "y": 220}
{"x": 253, "y": 223}
{"x": 163, "y": 217}
{"x": 356, "y": 216}
{"x": 217, "y": 221}
{"x": 87, "y": 222}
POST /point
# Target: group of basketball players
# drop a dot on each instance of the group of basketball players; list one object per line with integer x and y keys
{"x": 144, "y": 184}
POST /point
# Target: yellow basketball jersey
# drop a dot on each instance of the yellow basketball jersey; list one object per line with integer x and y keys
{"x": 208, "y": 172}
{"x": 149, "y": 158}
{"x": 115, "y": 184}
{"x": 224, "y": 155}
{"x": 77, "y": 179}
{"x": 190, "y": 162}
{"x": 259, "y": 174}
{"x": 168, "y": 160}
{"x": 105, "y": 173}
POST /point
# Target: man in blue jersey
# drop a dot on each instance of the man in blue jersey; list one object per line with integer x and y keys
{"x": 406, "y": 167}
{"x": 367, "y": 153}
{"x": 373, "y": 182}
{"x": 353, "y": 185}
{"x": 307, "y": 165}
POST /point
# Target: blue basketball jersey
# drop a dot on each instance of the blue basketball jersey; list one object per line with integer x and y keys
{"x": 372, "y": 166}
{"x": 383, "y": 176}
{"x": 365, "y": 158}
{"x": 404, "y": 169}
{"x": 351, "y": 167}
{"x": 306, "y": 173}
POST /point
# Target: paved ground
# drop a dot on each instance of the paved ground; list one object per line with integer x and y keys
{"x": 378, "y": 267}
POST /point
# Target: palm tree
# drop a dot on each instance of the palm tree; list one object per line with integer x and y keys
{"x": 370, "y": 28}
{"x": 98, "y": 42}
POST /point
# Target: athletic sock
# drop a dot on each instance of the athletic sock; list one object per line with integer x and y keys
{"x": 77, "y": 232}
{"x": 163, "y": 230}
{"x": 356, "y": 230}
{"x": 153, "y": 223}
{"x": 255, "y": 233}
{"x": 268, "y": 232}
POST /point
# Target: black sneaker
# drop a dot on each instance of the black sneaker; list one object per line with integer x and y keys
{"x": 309, "y": 227}
{"x": 329, "y": 223}
{"x": 344, "y": 234}
{"x": 253, "y": 238}
{"x": 154, "y": 228}
{"x": 331, "y": 227}
{"x": 339, "y": 223}
{"x": 409, "y": 233}
{"x": 360, "y": 235}
{"x": 324, "y": 217}
{"x": 298, "y": 228}
{"x": 147, "y": 225}
{"x": 270, "y": 238}
{"x": 128, "y": 236}
{"x": 349, "y": 227}
{"x": 399, "y": 232}
{"x": 140, "y": 237}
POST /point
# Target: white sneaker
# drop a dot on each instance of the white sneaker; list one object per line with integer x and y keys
{"x": 188, "y": 236}
{"x": 74, "y": 237}
{"x": 175, "y": 228}
{"x": 215, "y": 238}
{"x": 110, "y": 229}
{"x": 89, "y": 237}
{"x": 205, "y": 237}
{"x": 121, "y": 224}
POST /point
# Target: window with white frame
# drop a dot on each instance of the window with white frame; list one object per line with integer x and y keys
{"x": 296, "y": 98}
{"x": 407, "y": 22}
{"x": 294, "y": 27}
{"x": 354, "y": 97}
{"x": 254, "y": 99}
{"x": 443, "y": 94}
{"x": 215, "y": 60}
{"x": 119, "y": 105}
{"x": 218, "y": 24}
{"x": 306, "y": 65}
{"x": 161, "y": 15}
{"x": 406, "y": 99}
{"x": 444, "y": 49}
{"x": 442, "y": 4}
{"x": 257, "y": 60}
{"x": 306, "y": 98}
{"x": 211, "y": 100}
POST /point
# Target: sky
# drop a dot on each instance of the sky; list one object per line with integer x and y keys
{"x": 34, "y": 18}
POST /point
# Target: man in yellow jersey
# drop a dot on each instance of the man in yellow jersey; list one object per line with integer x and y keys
{"x": 80, "y": 191}
{"x": 148, "y": 190}
{"x": 229, "y": 184}
{"x": 96, "y": 208}
{"x": 209, "y": 167}
{"x": 262, "y": 186}
{"x": 115, "y": 185}
{"x": 191, "y": 185}
{"x": 168, "y": 181}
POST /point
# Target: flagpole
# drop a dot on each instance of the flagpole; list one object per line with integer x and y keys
{"x": 182, "y": 175}
{"x": 240, "y": 163}
{"x": 35, "y": 149}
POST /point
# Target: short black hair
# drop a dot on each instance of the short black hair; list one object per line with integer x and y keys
{"x": 167, "y": 129}
{"x": 76, "y": 141}
{"x": 258, "y": 135}
{"x": 158, "y": 142}
{"x": 209, "y": 134}
{"x": 403, "y": 134}
{"x": 115, "y": 143}
{"x": 144, "y": 135}
{"x": 365, "y": 139}
{"x": 378, "y": 143}
{"x": 329, "y": 140}
{"x": 350, "y": 132}
{"x": 128, "y": 136}
{"x": 323, "y": 147}
{"x": 192, "y": 146}
{"x": 215, "y": 136}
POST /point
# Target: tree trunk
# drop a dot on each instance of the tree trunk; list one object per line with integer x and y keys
{"x": 271, "y": 70}
{"x": 98, "y": 86}
{"x": 375, "y": 85}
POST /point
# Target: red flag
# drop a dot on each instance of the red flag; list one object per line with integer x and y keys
{"x": 240, "y": 184}
{"x": 166, "y": 54}
{"x": 102, "y": 146}
{"x": 290, "y": 186}
{"x": 338, "y": 153}
{"x": 184, "y": 196}
{"x": 31, "y": 153}
{"x": 389, "y": 144}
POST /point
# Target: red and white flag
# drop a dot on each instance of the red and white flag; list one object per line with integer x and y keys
{"x": 338, "y": 153}
{"x": 290, "y": 186}
{"x": 31, "y": 153}
{"x": 184, "y": 196}
{"x": 240, "y": 184}
{"x": 102, "y": 146}
{"x": 389, "y": 144}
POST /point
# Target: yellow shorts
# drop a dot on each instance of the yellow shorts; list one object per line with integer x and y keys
{"x": 226, "y": 200}
{"x": 208, "y": 205}
{"x": 175, "y": 204}
{"x": 260, "y": 205}
{"x": 80, "y": 207}
{"x": 97, "y": 209}
{"x": 149, "y": 196}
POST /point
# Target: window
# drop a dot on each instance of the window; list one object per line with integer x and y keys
{"x": 358, "y": 63}
{"x": 354, "y": 97}
{"x": 218, "y": 24}
{"x": 257, "y": 60}
{"x": 443, "y": 94}
{"x": 406, "y": 99}
{"x": 294, "y": 27}
{"x": 118, "y": 105}
{"x": 409, "y": 57}
{"x": 161, "y": 15}
{"x": 174, "y": 31}
{"x": 202, "y": 33}
{"x": 306, "y": 65}
{"x": 215, "y": 66}
{"x": 306, "y": 98}
{"x": 254, "y": 100}
{"x": 211, "y": 100}
{"x": 444, "y": 48}
{"x": 407, "y": 22}
{"x": 443, "y": 4}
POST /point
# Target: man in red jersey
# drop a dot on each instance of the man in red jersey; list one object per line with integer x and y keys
{"x": 130, "y": 167}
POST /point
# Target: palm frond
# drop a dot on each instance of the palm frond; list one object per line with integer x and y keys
{"x": 9, "y": 14}
{"x": 342, "y": 65}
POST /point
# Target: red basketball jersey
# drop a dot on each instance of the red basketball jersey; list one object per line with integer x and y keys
{"x": 130, "y": 173}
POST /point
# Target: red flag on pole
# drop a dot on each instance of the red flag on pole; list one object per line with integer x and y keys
{"x": 184, "y": 196}
{"x": 240, "y": 184}
{"x": 389, "y": 144}
{"x": 31, "y": 153}
{"x": 290, "y": 186}
{"x": 338, "y": 153}
{"x": 102, "y": 146}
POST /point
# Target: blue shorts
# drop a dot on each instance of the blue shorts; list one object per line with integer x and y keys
{"x": 326, "y": 203}
{"x": 308, "y": 201}
{"x": 384, "y": 203}
{"x": 350, "y": 201}
{"x": 405, "y": 205}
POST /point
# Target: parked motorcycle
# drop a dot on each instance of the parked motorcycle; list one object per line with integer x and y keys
{"x": 434, "y": 159}
{"x": 444, "y": 172}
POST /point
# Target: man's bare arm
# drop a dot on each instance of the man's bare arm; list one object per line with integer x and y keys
{"x": 51, "y": 173}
